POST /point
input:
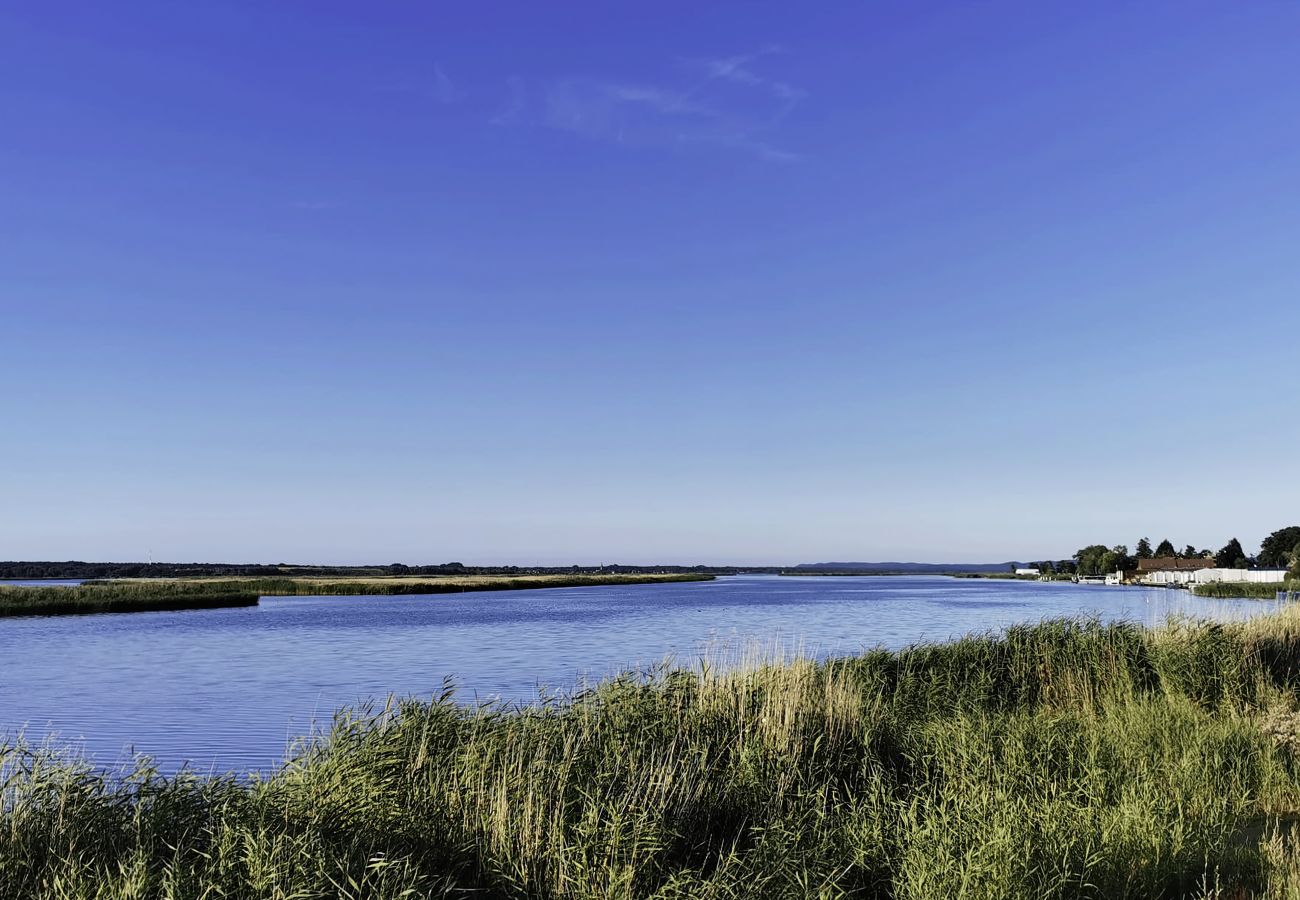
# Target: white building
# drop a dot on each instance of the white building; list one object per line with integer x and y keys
{"x": 1213, "y": 576}
{"x": 1033, "y": 572}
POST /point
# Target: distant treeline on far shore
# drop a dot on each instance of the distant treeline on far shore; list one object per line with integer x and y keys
{"x": 88, "y": 570}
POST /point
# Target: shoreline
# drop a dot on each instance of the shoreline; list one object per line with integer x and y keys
{"x": 171, "y": 595}
{"x": 19, "y": 602}
{"x": 1133, "y": 760}
{"x": 401, "y": 585}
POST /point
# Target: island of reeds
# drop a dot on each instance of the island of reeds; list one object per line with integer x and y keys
{"x": 1069, "y": 759}
{"x": 117, "y": 598}
{"x": 152, "y": 595}
{"x": 396, "y": 585}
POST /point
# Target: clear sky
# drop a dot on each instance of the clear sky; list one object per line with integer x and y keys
{"x": 584, "y": 282}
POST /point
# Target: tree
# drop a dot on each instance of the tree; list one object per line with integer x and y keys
{"x": 1110, "y": 562}
{"x": 1277, "y": 547}
{"x": 1294, "y": 571}
{"x": 1117, "y": 560}
{"x": 1190, "y": 552}
{"x": 1165, "y": 549}
{"x": 1231, "y": 556}
{"x": 1144, "y": 549}
{"x": 1089, "y": 559}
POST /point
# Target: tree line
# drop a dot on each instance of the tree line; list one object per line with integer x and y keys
{"x": 1280, "y": 550}
{"x": 76, "y": 569}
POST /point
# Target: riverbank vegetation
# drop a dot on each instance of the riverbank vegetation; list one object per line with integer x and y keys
{"x": 62, "y": 601}
{"x": 153, "y": 594}
{"x": 999, "y": 576}
{"x": 378, "y": 586}
{"x": 1228, "y": 590}
{"x": 1064, "y": 760}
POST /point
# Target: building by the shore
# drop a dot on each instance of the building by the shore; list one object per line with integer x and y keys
{"x": 1200, "y": 570}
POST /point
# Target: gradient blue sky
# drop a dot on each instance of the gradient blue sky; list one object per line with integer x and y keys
{"x": 728, "y": 282}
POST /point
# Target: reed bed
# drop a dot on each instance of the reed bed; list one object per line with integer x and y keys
{"x": 382, "y": 586}
{"x": 1069, "y": 759}
{"x": 1229, "y": 590}
{"x": 61, "y": 601}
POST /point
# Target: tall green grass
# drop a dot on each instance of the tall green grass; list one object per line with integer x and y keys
{"x": 1247, "y": 590}
{"x": 58, "y": 601}
{"x": 1068, "y": 759}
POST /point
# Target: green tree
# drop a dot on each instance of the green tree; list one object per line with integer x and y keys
{"x": 1231, "y": 556}
{"x": 1274, "y": 553}
{"x": 1088, "y": 561}
{"x": 1294, "y": 571}
{"x": 1117, "y": 560}
{"x": 1190, "y": 552}
{"x": 1143, "y": 549}
{"x": 1165, "y": 549}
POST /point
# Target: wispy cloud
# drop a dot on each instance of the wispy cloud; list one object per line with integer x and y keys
{"x": 444, "y": 91}
{"x": 438, "y": 87}
{"x": 738, "y": 70}
{"x": 728, "y": 104}
{"x": 626, "y": 113}
{"x": 514, "y": 112}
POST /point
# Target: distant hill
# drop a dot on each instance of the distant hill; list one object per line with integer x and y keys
{"x": 904, "y": 568}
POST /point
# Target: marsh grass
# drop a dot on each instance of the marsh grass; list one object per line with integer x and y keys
{"x": 377, "y": 586}
{"x": 1067, "y": 759}
{"x": 57, "y": 601}
{"x": 1228, "y": 590}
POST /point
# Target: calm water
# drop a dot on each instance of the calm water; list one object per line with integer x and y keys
{"x": 40, "y": 582}
{"x": 228, "y": 689}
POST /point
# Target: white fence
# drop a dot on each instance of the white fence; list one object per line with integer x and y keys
{"x": 1211, "y": 576}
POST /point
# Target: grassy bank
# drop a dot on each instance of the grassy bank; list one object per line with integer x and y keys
{"x": 1005, "y": 576}
{"x": 1063, "y": 760}
{"x": 1249, "y": 590}
{"x": 143, "y": 595}
{"x": 59, "y": 601}
{"x": 451, "y": 584}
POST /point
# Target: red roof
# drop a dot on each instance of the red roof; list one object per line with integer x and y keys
{"x": 1174, "y": 564}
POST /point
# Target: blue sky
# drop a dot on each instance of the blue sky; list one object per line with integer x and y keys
{"x": 732, "y": 282}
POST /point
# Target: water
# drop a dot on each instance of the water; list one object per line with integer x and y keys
{"x": 40, "y": 582}
{"x": 229, "y": 689}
